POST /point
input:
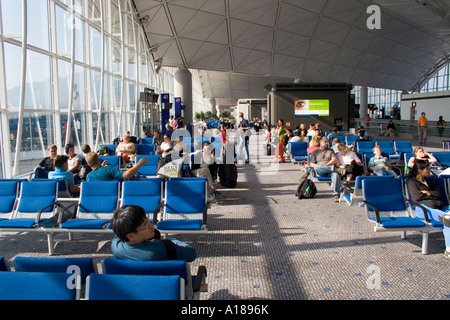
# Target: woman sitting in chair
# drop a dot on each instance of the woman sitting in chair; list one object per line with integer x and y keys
{"x": 427, "y": 192}
{"x": 349, "y": 162}
{"x": 420, "y": 154}
{"x": 126, "y": 148}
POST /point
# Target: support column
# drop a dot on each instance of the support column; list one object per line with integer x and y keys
{"x": 363, "y": 109}
{"x": 183, "y": 89}
{"x": 212, "y": 105}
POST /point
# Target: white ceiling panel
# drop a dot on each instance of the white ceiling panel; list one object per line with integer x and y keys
{"x": 310, "y": 40}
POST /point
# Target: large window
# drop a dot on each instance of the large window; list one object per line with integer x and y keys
{"x": 440, "y": 81}
{"x": 86, "y": 61}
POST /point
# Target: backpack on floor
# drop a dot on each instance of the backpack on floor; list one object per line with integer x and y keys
{"x": 306, "y": 188}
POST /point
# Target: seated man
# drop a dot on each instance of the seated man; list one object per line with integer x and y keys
{"x": 323, "y": 161}
{"x": 46, "y": 165}
{"x": 103, "y": 171}
{"x": 61, "y": 171}
{"x": 380, "y": 165}
{"x": 137, "y": 239}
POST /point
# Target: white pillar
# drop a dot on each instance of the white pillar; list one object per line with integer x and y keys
{"x": 212, "y": 105}
{"x": 183, "y": 89}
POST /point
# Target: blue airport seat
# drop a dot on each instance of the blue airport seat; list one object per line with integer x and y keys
{"x": 134, "y": 287}
{"x": 55, "y": 265}
{"x": 186, "y": 206}
{"x": 36, "y": 286}
{"x": 194, "y": 284}
{"x": 147, "y": 193}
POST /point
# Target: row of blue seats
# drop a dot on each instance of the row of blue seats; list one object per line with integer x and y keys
{"x": 394, "y": 149}
{"x": 120, "y": 279}
{"x": 178, "y": 205}
{"x": 391, "y": 209}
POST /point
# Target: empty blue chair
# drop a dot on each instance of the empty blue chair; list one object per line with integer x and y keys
{"x": 36, "y": 286}
{"x": 55, "y": 265}
{"x": 365, "y": 146}
{"x": 98, "y": 201}
{"x": 350, "y": 139}
{"x": 298, "y": 151}
{"x": 36, "y": 207}
{"x": 96, "y": 205}
{"x": 134, "y": 287}
{"x": 9, "y": 191}
{"x": 63, "y": 188}
{"x": 186, "y": 206}
{"x": 356, "y": 196}
{"x": 403, "y": 146}
{"x": 194, "y": 284}
{"x": 147, "y": 193}
{"x": 147, "y": 140}
{"x": 146, "y": 149}
{"x": 150, "y": 168}
{"x": 388, "y": 210}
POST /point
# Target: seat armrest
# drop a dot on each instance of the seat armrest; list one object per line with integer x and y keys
{"x": 424, "y": 210}
{"x": 377, "y": 213}
{"x": 155, "y": 212}
{"x": 200, "y": 278}
{"x": 38, "y": 216}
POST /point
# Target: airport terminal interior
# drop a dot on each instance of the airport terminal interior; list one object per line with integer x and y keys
{"x": 86, "y": 72}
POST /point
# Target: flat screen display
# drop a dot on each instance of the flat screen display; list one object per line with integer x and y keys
{"x": 308, "y": 108}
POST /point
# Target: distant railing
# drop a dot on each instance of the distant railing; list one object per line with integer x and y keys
{"x": 405, "y": 126}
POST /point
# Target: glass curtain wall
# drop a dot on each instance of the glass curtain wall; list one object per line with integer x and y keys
{"x": 71, "y": 71}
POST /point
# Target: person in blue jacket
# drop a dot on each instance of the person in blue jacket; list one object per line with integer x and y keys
{"x": 137, "y": 239}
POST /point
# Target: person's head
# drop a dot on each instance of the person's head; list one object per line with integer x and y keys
{"x": 167, "y": 138}
{"x": 280, "y": 122}
{"x": 130, "y": 224}
{"x": 440, "y": 118}
{"x": 70, "y": 149}
{"x": 418, "y": 151}
{"x": 126, "y": 138}
{"x": 376, "y": 150}
{"x": 342, "y": 148}
{"x": 52, "y": 150}
{"x": 92, "y": 159}
{"x": 317, "y": 125}
{"x": 314, "y": 142}
{"x": 335, "y": 141}
{"x": 423, "y": 168}
{"x": 334, "y": 130}
{"x": 85, "y": 148}
{"x": 324, "y": 143}
{"x": 241, "y": 115}
{"x": 60, "y": 161}
{"x": 362, "y": 133}
{"x": 156, "y": 134}
{"x": 423, "y": 114}
{"x": 197, "y": 145}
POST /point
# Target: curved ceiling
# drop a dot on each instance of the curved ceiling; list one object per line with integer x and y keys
{"x": 256, "y": 42}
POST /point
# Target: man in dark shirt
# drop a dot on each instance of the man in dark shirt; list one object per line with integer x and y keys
{"x": 46, "y": 165}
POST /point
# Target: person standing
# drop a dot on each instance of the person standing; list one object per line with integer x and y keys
{"x": 279, "y": 151}
{"x": 243, "y": 136}
{"x": 422, "y": 124}
{"x": 441, "y": 126}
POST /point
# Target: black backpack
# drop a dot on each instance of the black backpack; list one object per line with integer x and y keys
{"x": 306, "y": 188}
